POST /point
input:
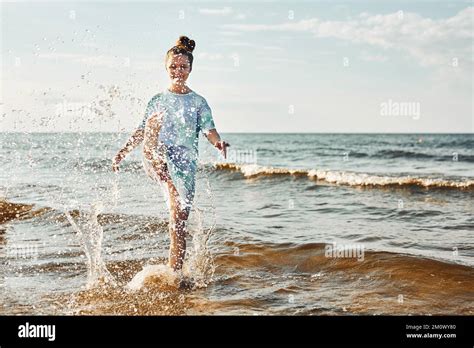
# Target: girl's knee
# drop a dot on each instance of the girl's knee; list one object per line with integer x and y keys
{"x": 183, "y": 214}
{"x": 179, "y": 214}
{"x": 177, "y": 225}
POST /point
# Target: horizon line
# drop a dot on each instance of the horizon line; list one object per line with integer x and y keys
{"x": 359, "y": 133}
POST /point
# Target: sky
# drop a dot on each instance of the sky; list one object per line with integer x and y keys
{"x": 263, "y": 66}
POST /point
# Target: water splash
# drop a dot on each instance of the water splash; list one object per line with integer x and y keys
{"x": 199, "y": 264}
{"x": 91, "y": 235}
{"x": 114, "y": 191}
{"x": 161, "y": 275}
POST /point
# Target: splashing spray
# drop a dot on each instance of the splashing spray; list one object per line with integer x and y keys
{"x": 91, "y": 235}
{"x": 199, "y": 263}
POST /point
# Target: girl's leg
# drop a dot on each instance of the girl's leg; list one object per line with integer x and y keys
{"x": 177, "y": 229}
{"x": 178, "y": 216}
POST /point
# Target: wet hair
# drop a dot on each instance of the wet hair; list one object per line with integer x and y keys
{"x": 184, "y": 46}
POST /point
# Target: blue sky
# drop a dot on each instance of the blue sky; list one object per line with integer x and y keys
{"x": 282, "y": 66}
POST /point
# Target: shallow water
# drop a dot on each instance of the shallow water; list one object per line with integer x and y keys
{"x": 259, "y": 233}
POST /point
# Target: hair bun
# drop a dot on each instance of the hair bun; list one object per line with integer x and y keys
{"x": 186, "y": 43}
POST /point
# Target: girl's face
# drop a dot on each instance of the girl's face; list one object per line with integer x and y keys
{"x": 178, "y": 68}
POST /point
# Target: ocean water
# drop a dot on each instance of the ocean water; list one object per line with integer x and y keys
{"x": 305, "y": 224}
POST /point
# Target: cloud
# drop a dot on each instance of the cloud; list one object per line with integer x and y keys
{"x": 230, "y": 33}
{"x": 373, "y": 57}
{"x": 216, "y": 11}
{"x": 430, "y": 42}
{"x": 250, "y": 45}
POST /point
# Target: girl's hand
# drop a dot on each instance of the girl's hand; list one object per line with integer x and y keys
{"x": 222, "y": 146}
{"x": 116, "y": 161}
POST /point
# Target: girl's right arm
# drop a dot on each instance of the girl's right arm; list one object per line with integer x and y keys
{"x": 135, "y": 139}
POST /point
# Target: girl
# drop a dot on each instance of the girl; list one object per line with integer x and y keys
{"x": 170, "y": 132}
